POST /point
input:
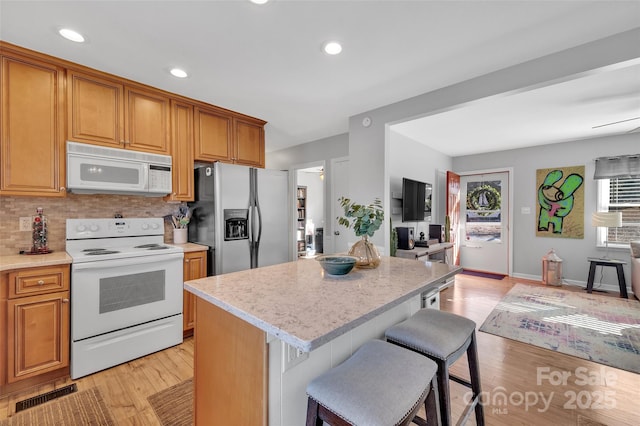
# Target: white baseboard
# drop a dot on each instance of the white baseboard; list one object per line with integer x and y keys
{"x": 583, "y": 284}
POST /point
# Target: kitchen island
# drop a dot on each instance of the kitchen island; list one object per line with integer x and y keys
{"x": 261, "y": 335}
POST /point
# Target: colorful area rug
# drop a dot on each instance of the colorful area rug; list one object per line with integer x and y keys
{"x": 174, "y": 406}
{"x": 82, "y": 408}
{"x": 599, "y": 328}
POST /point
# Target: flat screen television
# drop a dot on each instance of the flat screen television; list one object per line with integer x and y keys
{"x": 413, "y": 200}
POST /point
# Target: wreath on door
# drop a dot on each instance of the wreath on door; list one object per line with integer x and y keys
{"x": 484, "y": 197}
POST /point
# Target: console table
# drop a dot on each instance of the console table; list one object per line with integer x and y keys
{"x": 607, "y": 262}
{"x": 433, "y": 252}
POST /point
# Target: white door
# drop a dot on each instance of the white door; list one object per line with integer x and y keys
{"x": 484, "y": 222}
{"x": 339, "y": 188}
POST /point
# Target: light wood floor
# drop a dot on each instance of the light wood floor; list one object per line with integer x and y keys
{"x": 507, "y": 367}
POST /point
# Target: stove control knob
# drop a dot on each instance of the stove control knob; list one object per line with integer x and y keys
{"x": 155, "y": 226}
{"x": 145, "y": 226}
{"x": 94, "y": 228}
{"x": 81, "y": 228}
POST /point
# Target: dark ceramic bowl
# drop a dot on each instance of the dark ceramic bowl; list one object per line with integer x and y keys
{"x": 337, "y": 264}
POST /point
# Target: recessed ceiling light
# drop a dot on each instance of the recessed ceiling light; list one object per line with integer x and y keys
{"x": 332, "y": 48}
{"x": 177, "y": 72}
{"x": 259, "y": 1}
{"x": 71, "y": 35}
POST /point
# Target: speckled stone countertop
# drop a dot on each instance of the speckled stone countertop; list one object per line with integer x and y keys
{"x": 297, "y": 303}
{"x": 22, "y": 261}
{"x": 190, "y": 247}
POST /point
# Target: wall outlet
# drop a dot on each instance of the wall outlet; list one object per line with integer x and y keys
{"x": 25, "y": 223}
{"x": 292, "y": 356}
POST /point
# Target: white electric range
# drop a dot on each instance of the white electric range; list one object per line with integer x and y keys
{"x": 126, "y": 291}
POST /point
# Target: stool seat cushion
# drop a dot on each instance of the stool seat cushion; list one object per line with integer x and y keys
{"x": 432, "y": 332}
{"x": 378, "y": 385}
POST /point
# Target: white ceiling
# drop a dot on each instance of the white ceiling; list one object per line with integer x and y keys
{"x": 266, "y": 61}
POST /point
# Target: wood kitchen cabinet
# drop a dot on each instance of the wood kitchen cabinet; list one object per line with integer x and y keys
{"x": 181, "y": 151}
{"x": 195, "y": 266}
{"x": 249, "y": 142}
{"x": 107, "y": 112}
{"x": 221, "y": 136}
{"x": 36, "y": 327}
{"x": 33, "y": 131}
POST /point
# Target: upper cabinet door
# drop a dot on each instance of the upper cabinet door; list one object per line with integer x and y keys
{"x": 106, "y": 112}
{"x": 182, "y": 151}
{"x": 32, "y": 135}
{"x": 213, "y": 135}
{"x": 147, "y": 121}
{"x": 95, "y": 110}
{"x": 249, "y": 143}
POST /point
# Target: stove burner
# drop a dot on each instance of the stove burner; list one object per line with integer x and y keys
{"x": 152, "y": 246}
{"x": 94, "y": 249}
{"x": 101, "y": 251}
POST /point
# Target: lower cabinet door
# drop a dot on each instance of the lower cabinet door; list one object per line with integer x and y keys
{"x": 38, "y": 335}
{"x": 195, "y": 266}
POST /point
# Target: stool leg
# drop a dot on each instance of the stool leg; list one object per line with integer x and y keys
{"x": 431, "y": 404}
{"x": 313, "y": 419}
{"x": 474, "y": 375}
{"x": 443, "y": 392}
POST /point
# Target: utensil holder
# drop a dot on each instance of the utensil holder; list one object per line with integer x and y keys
{"x": 180, "y": 235}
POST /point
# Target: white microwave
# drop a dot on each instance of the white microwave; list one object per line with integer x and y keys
{"x": 93, "y": 169}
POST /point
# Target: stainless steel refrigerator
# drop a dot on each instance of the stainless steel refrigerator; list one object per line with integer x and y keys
{"x": 242, "y": 214}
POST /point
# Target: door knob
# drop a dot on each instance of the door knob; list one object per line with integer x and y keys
{"x": 336, "y": 232}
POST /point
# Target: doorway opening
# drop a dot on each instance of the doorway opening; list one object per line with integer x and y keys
{"x": 310, "y": 210}
{"x": 485, "y": 217}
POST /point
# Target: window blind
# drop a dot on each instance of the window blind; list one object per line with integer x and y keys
{"x": 624, "y": 166}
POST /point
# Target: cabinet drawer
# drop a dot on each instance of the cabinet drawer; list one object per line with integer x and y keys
{"x": 38, "y": 280}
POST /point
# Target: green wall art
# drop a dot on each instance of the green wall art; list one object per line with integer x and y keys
{"x": 560, "y": 195}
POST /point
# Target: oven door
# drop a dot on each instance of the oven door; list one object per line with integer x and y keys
{"x": 114, "y": 294}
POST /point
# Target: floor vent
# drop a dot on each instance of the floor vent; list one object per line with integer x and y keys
{"x": 45, "y": 397}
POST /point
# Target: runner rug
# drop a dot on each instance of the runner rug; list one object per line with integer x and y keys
{"x": 174, "y": 405}
{"x": 81, "y": 408}
{"x": 599, "y": 328}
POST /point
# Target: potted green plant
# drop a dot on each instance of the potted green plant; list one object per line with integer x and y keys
{"x": 365, "y": 219}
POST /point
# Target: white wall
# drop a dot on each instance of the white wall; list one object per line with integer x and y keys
{"x": 413, "y": 160}
{"x": 314, "y": 152}
{"x": 529, "y": 249}
{"x": 369, "y": 147}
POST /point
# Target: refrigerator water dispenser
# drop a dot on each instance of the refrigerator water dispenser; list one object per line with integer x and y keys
{"x": 235, "y": 224}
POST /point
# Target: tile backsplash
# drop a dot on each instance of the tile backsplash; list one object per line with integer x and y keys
{"x": 73, "y": 206}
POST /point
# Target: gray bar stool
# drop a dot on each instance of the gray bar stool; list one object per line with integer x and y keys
{"x": 443, "y": 337}
{"x": 379, "y": 385}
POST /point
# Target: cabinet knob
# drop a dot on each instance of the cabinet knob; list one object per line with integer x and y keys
{"x": 187, "y": 261}
{"x": 336, "y": 232}
{"x": 62, "y": 189}
{"x": 40, "y": 282}
{"x": 65, "y": 300}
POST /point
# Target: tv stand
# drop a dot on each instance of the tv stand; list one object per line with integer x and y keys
{"x": 433, "y": 253}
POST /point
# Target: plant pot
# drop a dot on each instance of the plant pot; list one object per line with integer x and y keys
{"x": 180, "y": 235}
{"x": 366, "y": 252}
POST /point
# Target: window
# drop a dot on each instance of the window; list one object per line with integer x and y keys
{"x": 623, "y": 195}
